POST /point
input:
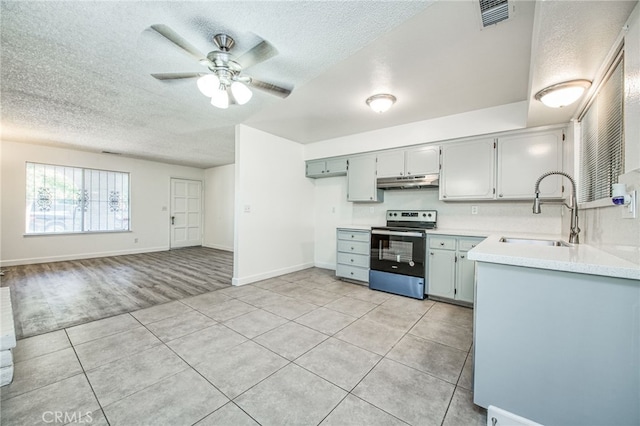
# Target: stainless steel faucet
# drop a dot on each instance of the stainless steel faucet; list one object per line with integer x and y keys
{"x": 573, "y": 233}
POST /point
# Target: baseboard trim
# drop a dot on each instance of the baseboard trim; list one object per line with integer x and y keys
{"x": 218, "y": 247}
{"x": 270, "y": 274}
{"x": 34, "y": 260}
{"x": 324, "y": 265}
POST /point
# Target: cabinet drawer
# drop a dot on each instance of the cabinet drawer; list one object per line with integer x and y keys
{"x": 443, "y": 243}
{"x": 360, "y": 260}
{"x": 466, "y": 245}
{"x": 352, "y": 272}
{"x": 353, "y": 235}
{"x": 357, "y": 247}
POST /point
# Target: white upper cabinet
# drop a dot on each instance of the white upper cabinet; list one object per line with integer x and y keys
{"x": 391, "y": 164}
{"x": 411, "y": 162}
{"x": 361, "y": 180}
{"x": 326, "y": 168}
{"x": 423, "y": 161}
{"x": 468, "y": 170}
{"x": 522, "y": 159}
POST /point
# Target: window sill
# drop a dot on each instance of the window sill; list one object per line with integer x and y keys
{"x": 50, "y": 234}
{"x": 597, "y": 204}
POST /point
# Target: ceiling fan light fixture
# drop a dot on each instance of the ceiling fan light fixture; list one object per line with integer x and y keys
{"x": 381, "y": 102}
{"x": 220, "y": 98}
{"x": 240, "y": 92}
{"x": 563, "y": 94}
{"x": 208, "y": 84}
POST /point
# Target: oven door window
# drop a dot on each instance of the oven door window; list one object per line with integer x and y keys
{"x": 398, "y": 254}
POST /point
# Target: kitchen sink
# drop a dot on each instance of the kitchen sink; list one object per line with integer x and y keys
{"x": 551, "y": 243}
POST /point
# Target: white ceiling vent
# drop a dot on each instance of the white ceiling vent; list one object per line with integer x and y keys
{"x": 493, "y": 11}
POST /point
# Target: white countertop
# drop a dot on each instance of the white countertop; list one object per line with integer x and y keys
{"x": 358, "y": 227}
{"x": 580, "y": 258}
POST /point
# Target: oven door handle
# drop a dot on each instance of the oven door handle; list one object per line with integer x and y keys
{"x": 397, "y": 233}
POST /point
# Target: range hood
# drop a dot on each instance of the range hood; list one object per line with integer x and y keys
{"x": 409, "y": 182}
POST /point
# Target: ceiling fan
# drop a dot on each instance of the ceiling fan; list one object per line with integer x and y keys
{"x": 225, "y": 83}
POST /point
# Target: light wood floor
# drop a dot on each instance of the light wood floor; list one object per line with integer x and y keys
{"x": 51, "y": 296}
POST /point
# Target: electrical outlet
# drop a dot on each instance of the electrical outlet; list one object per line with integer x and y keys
{"x": 630, "y": 211}
{"x": 474, "y": 209}
{"x": 247, "y": 208}
{"x": 135, "y": 240}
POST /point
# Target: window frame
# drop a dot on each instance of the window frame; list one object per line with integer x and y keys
{"x": 84, "y": 230}
{"x": 616, "y": 60}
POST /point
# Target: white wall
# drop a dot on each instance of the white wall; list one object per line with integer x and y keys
{"x": 605, "y": 227}
{"x": 219, "y": 207}
{"x": 632, "y": 92}
{"x": 276, "y": 235}
{"x": 150, "y": 192}
{"x": 490, "y": 120}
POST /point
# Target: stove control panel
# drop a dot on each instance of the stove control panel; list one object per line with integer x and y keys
{"x": 412, "y": 215}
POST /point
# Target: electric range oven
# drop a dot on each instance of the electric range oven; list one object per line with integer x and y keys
{"x": 398, "y": 252}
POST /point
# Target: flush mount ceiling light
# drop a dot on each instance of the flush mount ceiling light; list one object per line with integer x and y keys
{"x": 563, "y": 94}
{"x": 381, "y": 103}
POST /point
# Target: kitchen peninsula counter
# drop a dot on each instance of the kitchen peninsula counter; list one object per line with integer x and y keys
{"x": 579, "y": 258}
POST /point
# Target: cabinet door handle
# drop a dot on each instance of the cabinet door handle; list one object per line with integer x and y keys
{"x": 353, "y": 236}
{"x": 431, "y": 253}
{"x": 400, "y": 173}
{"x": 173, "y": 220}
{"x": 328, "y": 170}
{"x": 351, "y": 248}
{"x": 441, "y": 244}
{"x": 351, "y": 260}
{"x": 408, "y": 173}
{"x": 500, "y": 195}
{"x": 461, "y": 257}
{"x": 351, "y": 273}
{"x": 371, "y": 198}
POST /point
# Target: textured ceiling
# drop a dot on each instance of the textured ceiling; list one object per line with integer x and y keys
{"x": 571, "y": 42}
{"x": 77, "y": 73}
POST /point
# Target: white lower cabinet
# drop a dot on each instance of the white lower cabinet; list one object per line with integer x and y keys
{"x": 353, "y": 254}
{"x": 451, "y": 274}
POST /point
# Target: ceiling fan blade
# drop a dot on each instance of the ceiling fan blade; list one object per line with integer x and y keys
{"x": 177, "y": 75}
{"x": 270, "y": 88}
{"x": 174, "y": 38}
{"x": 258, "y": 53}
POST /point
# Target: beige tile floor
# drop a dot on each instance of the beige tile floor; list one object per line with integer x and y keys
{"x": 301, "y": 349}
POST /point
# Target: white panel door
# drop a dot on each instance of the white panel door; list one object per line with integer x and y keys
{"x": 186, "y": 213}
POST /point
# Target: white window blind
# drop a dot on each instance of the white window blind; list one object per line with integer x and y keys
{"x": 602, "y": 138}
{"x": 63, "y": 199}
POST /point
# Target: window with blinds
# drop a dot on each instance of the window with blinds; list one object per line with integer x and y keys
{"x": 63, "y": 199}
{"x": 601, "y": 156}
